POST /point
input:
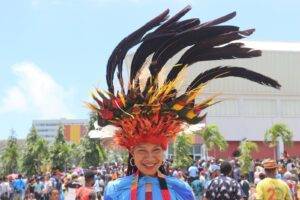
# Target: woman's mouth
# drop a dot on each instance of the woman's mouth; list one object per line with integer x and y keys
{"x": 149, "y": 166}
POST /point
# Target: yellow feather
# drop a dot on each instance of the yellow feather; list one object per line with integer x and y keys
{"x": 191, "y": 114}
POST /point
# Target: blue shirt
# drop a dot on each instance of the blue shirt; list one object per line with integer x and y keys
{"x": 120, "y": 189}
{"x": 193, "y": 171}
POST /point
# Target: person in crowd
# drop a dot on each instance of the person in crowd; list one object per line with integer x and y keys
{"x": 270, "y": 187}
{"x": 54, "y": 194}
{"x": 87, "y": 192}
{"x": 193, "y": 173}
{"x": 245, "y": 186}
{"x": 38, "y": 188}
{"x": 47, "y": 186}
{"x": 19, "y": 188}
{"x": 237, "y": 172}
{"x": 214, "y": 171}
{"x": 4, "y": 188}
{"x": 198, "y": 187}
{"x": 99, "y": 186}
{"x": 224, "y": 187}
{"x": 287, "y": 178}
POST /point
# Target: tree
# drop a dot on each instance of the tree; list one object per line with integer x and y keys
{"x": 35, "y": 154}
{"x": 278, "y": 131}
{"x": 92, "y": 151}
{"x": 246, "y": 148}
{"x": 182, "y": 152}
{"x": 9, "y": 157}
{"x": 60, "y": 152}
{"x": 212, "y": 138}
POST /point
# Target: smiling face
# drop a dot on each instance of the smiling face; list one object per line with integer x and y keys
{"x": 148, "y": 158}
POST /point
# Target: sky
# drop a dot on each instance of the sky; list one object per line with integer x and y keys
{"x": 54, "y": 52}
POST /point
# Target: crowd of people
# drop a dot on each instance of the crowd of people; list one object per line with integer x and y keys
{"x": 266, "y": 179}
{"x": 211, "y": 179}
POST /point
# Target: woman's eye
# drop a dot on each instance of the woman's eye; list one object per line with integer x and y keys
{"x": 141, "y": 151}
{"x": 156, "y": 150}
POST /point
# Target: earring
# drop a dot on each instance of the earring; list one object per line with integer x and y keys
{"x": 131, "y": 162}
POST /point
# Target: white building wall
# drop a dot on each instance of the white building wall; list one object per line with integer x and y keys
{"x": 49, "y": 128}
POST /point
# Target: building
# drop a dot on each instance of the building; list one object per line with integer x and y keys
{"x": 248, "y": 109}
{"x": 74, "y": 129}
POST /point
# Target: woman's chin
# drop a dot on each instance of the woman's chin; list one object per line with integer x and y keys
{"x": 149, "y": 171}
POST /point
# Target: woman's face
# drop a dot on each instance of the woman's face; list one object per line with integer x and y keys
{"x": 54, "y": 195}
{"x": 148, "y": 158}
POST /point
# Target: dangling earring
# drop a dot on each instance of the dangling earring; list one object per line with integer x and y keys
{"x": 131, "y": 162}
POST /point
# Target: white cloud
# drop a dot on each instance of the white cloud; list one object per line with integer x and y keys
{"x": 36, "y": 92}
{"x": 13, "y": 100}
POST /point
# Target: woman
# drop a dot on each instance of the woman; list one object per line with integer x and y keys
{"x": 148, "y": 112}
{"x": 146, "y": 176}
{"x": 54, "y": 194}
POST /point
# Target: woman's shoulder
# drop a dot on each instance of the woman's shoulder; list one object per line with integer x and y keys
{"x": 117, "y": 187}
{"x": 181, "y": 188}
{"x": 173, "y": 181}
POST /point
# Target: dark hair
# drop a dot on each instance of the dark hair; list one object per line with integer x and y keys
{"x": 89, "y": 174}
{"x": 51, "y": 190}
{"x": 262, "y": 175}
{"x": 225, "y": 168}
{"x": 132, "y": 169}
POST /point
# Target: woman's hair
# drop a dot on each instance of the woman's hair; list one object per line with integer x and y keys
{"x": 132, "y": 169}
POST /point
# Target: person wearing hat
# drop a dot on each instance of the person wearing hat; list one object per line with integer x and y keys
{"x": 270, "y": 187}
{"x": 150, "y": 110}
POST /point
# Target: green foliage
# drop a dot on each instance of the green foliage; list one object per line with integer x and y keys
{"x": 277, "y": 131}
{"x": 117, "y": 155}
{"x": 183, "y": 146}
{"x": 93, "y": 118}
{"x": 35, "y": 154}
{"x": 246, "y": 147}
{"x": 60, "y": 152}
{"x": 212, "y": 138}
{"x": 9, "y": 157}
{"x": 92, "y": 152}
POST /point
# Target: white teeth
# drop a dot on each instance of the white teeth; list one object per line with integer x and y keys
{"x": 149, "y": 165}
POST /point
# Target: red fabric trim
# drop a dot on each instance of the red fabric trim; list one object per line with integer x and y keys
{"x": 148, "y": 196}
{"x": 166, "y": 194}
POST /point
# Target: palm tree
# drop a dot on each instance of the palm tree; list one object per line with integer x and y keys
{"x": 212, "y": 138}
{"x": 278, "y": 131}
{"x": 246, "y": 147}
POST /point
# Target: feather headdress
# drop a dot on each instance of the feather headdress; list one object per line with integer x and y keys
{"x": 157, "y": 112}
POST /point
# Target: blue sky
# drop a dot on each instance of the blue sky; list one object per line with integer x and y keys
{"x": 54, "y": 52}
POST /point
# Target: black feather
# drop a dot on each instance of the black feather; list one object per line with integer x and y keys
{"x": 219, "y": 20}
{"x": 152, "y": 41}
{"x": 206, "y": 44}
{"x": 230, "y": 51}
{"x": 227, "y": 71}
{"x": 182, "y": 40}
{"x": 120, "y": 51}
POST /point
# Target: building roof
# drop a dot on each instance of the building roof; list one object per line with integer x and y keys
{"x": 274, "y": 46}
